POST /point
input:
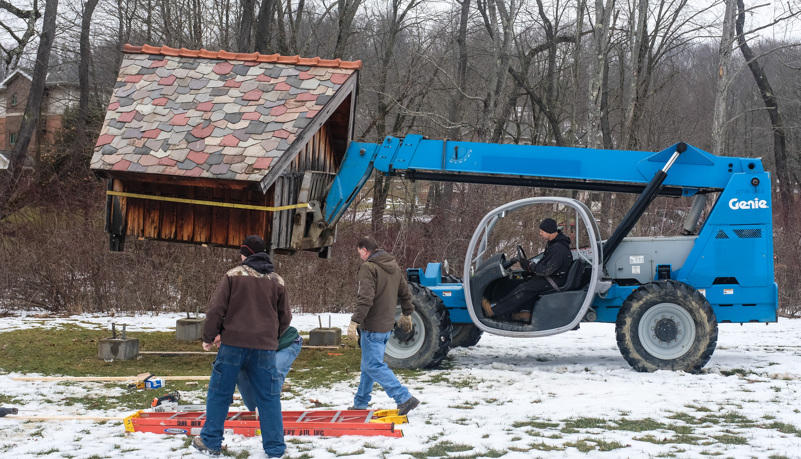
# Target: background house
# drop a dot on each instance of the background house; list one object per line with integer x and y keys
{"x": 208, "y": 147}
{"x": 61, "y": 90}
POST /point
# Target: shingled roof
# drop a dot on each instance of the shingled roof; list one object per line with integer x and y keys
{"x": 216, "y": 115}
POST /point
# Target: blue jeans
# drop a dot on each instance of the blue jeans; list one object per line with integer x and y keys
{"x": 259, "y": 366}
{"x": 375, "y": 370}
{"x": 283, "y": 361}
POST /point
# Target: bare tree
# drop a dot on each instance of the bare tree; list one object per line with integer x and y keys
{"x": 83, "y": 78}
{"x": 721, "y": 117}
{"x": 12, "y": 54}
{"x": 246, "y": 26}
{"x": 30, "y": 118}
{"x": 786, "y": 182}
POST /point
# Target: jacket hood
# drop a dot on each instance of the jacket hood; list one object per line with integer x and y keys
{"x": 261, "y": 262}
{"x": 383, "y": 260}
{"x": 561, "y": 239}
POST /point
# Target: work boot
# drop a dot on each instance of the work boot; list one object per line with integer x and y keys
{"x": 352, "y": 408}
{"x": 407, "y": 406}
{"x": 522, "y": 316}
{"x": 487, "y": 307}
{"x": 198, "y": 444}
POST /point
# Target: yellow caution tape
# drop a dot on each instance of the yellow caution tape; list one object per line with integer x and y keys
{"x": 208, "y": 203}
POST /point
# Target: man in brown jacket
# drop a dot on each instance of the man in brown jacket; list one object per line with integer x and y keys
{"x": 381, "y": 284}
{"x": 249, "y": 310}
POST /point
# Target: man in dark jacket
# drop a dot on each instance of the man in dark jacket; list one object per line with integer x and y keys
{"x": 553, "y": 265}
{"x": 381, "y": 284}
{"x": 249, "y": 310}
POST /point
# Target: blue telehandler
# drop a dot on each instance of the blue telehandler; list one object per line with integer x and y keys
{"x": 665, "y": 295}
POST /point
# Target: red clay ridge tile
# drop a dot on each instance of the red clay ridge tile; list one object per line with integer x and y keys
{"x": 151, "y": 134}
{"x": 288, "y": 59}
{"x": 147, "y": 49}
{"x": 126, "y": 48}
{"x": 223, "y": 68}
{"x": 205, "y": 106}
{"x": 160, "y": 101}
{"x": 167, "y": 81}
{"x": 329, "y": 62}
{"x": 253, "y": 95}
{"x": 167, "y": 51}
{"x": 133, "y": 79}
{"x": 229, "y": 141}
{"x": 232, "y": 84}
{"x": 246, "y": 58}
{"x": 183, "y": 52}
{"x": 226, "y": 55}
{"x": 262, "y": 163}
{"x": 105, "y": 139}
{"x": 268, "y": 57}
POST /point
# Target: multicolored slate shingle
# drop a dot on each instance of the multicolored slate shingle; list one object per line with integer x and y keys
{"x": 213, "y": 115}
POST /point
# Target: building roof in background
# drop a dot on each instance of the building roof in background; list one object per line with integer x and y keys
{"x": 219, "y": 115}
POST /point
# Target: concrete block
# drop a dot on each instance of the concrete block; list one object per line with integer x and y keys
{"x": 189, "y": 329}
{"x": 118, "y": 349}
{"x": 325, "y": 336}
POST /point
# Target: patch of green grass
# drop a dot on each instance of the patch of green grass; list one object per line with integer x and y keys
{"x": 585, "y": 423}
{"x": 442, "y": 449}
{"x": 464, "y": 406}
{"x": 728, "y": 439}
{"x": 784, "y": 428}
{"x": 49, "y": 451}
{"x": 735, "y": 371}
{"x": 541, "y": 446}
{"x": 536, "y": 424}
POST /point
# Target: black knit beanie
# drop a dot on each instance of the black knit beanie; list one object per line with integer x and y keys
{"x": 548, "y": 225}
{"x": 251, "y": 245}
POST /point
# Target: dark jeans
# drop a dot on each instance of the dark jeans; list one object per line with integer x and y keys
{"x": 260, "y": 367}
{"x": 523, "y": 296}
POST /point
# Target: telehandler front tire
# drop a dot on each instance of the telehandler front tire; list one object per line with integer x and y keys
{"x": 429, "y": 341}
{"x": 666, "y": 325}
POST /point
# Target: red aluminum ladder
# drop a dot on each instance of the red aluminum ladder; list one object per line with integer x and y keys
{"x": 329, "y": 423}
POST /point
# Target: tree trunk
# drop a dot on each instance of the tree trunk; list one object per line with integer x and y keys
{"x": 81, "y": 143}
{"x": 786, "y": 183}
{"x": 246, "y": 26}
{"x": 721, "y": 116}
{"x": 263, "y": 26}
{"x": 30, "y": 118}
{"x": 598, "y": 74}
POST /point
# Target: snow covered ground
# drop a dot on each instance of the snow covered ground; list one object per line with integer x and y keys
{"x": 569, "y": 395}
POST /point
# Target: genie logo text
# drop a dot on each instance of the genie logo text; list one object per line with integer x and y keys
{"x": 756, "y": 203}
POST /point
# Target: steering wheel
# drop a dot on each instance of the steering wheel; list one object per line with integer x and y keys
{"x": 521, "y": 255}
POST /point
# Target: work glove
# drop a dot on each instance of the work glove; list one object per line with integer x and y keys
{"x": 352, "y": 332}
{"x": 405, "y": 323}
{"x": 525, "y": 264}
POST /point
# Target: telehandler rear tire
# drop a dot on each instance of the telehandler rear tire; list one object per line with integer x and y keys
{"x": 666, "y": 325}
{"x": 428, "y": 343}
